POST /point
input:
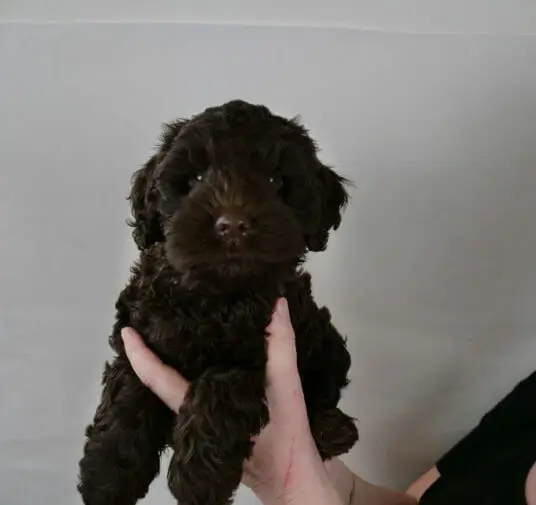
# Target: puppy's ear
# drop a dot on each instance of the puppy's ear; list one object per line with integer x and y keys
{"x": 144, "y": 206}
{"x": 332, "y": 197}
{"x": 144, "y": 196}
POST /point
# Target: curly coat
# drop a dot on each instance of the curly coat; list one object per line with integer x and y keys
{"x": 202, "y": 296}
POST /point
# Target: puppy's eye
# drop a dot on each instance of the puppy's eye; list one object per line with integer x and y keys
{"x": 275, "y": 182}
{"x": 195, "y": 179}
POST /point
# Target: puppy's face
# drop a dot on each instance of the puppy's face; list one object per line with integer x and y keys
{"x": 234, "y": 190}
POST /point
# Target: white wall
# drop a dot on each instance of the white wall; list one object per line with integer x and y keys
{"x": 430, "y": 16}
{"x": 432, "y": 276}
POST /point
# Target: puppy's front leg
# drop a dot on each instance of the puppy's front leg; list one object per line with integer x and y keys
{"x": 124, "y": 441}
{"x": 222, "y": 411}
{"x": 324, "y": 377}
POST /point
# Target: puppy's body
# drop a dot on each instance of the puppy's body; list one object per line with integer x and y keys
{"x": 202, "y": 294}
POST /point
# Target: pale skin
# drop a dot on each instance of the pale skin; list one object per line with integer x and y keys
{"x": 285, "y": 467}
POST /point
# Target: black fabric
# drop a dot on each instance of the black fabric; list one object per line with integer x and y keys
{"x": 490, "y": 465}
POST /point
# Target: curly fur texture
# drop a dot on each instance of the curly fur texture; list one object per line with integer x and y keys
{"x": 203, "y": 302}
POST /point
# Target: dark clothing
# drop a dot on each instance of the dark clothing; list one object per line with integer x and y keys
{"x": 490, "y": 465}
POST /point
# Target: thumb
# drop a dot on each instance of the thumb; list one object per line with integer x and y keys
{"x": 163, "y": 381}
{"x": 281, "y": 341}
{"x": 284, "y": 391}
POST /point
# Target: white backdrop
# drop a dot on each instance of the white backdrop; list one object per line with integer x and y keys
{"x": 432, "y": 274}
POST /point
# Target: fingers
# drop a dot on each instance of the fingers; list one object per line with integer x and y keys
{"x": 284, "y": 392}
{"x": 281, "y": 341}
{"x": 162, "y": 380}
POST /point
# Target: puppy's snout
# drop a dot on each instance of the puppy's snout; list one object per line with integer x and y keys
{"x": 232, "y": 227}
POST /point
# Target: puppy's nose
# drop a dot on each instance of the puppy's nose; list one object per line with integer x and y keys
{"x": 231, "y": 227}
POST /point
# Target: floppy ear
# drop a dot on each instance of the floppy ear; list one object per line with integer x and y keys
{"x": 144, "y": 206}
{"x": 332, "y": 198}
{"x": 144, "y": 196}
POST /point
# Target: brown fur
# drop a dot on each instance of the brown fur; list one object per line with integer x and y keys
{"x": 203, "y": 303}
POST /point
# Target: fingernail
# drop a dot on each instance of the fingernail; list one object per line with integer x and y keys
{"x": 127, "y": 333}
{"x": 282, "y": 308}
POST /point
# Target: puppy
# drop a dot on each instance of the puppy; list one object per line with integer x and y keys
{"x": 223, "y": 215}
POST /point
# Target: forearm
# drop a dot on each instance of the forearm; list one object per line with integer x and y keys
{"x": 419, "y": 487}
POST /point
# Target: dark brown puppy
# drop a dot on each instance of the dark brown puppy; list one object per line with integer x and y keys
{"x": 223, "y": 214}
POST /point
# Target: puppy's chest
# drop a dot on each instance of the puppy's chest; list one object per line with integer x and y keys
{"x": 193, "y": 335}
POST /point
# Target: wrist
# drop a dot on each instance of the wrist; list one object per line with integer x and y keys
{"x": 309, "y": 484}
{"x": 314, "y": 494}
{"x": 342, "y": 479}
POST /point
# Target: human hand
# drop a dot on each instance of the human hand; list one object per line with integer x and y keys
{"x": 285, "y": 465}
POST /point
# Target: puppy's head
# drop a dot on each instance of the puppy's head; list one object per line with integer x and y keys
{"x": 236, "y": 189}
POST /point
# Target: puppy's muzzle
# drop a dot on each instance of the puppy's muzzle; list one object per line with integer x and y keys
{"x": 232, "y": 227}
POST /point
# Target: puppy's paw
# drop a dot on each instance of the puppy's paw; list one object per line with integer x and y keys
{"x": 334, "y": 432}
{"x": 212, "y": 438}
